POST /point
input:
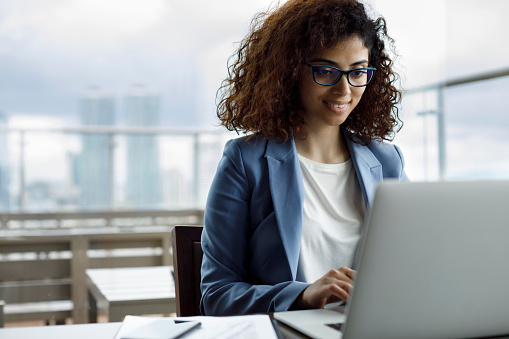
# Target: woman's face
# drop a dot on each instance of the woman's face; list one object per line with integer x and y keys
{"x": 329, "y": 106}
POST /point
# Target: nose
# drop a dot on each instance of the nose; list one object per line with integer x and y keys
{"x": 342, "y": 87}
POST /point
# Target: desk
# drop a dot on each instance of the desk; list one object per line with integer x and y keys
{"x": 134, "y": 291}
{"x": 97, "y": 331}
{"x": 87, "y": 331}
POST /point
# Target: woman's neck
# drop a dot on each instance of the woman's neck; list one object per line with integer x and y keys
{"x": 326, "y": 147}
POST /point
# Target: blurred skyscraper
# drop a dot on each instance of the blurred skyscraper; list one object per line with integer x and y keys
{"x": 95, "y": 163}
{"x": 143, "y": 170}
{"x": 208, "y": 151}
{"x": 4, "y": 167}
{"x": 176, "y": 189}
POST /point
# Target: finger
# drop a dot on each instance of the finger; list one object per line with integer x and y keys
{"x": 340, "y": 273}
{"x": 339, "y": 278}
{"x": 342, "y": 291}
{"x": 344, "y": 285}
{"x": 348, "y": 288}
{"x": 333, "y": 299}
{"x": 339, "y": 290}
{"x": 348, "y": 272}
{"x": 325, "y": 290}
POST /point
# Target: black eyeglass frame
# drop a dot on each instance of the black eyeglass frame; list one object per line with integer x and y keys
{"x": 341, "y": 72}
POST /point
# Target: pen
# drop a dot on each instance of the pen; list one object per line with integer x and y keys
{"x": 279, "y": 335}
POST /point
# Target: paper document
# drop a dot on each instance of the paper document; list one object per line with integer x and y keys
{"x": 246, "y": 326}
{"x": 153, "y": 328}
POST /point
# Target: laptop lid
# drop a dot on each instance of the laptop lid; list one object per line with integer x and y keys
{"x": 432, "y": 265}
{"x": 433, "y": 262}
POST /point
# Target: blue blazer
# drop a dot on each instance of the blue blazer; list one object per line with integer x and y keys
{"x": 253, "y": 222}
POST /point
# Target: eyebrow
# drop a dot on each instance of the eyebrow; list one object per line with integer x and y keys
{"x": 336, "y": 64}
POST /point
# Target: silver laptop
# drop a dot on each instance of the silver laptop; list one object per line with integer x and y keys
{"x": 434, "y": 263}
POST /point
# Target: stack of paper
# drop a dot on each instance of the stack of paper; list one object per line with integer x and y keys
{"x": 247, "y": 326}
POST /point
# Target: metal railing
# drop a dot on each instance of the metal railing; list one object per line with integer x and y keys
{"x": 122, "y": 219}
{"x": 439, "y": 89}
{"x": 205, "y": 146}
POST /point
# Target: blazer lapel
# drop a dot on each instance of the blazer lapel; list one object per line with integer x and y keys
{"x": 367, "y": 167}
{"x": 287, "y": 192}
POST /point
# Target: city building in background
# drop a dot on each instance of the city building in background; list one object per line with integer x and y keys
{"x": 209, "y": 150}
{"x": 143, "y": 169}
{"x": 94, "y": 171}
{"x": 177, "y": 191}
{"x": 4, "y": 167}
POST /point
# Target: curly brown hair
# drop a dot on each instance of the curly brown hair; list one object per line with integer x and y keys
{"x": 260, "y": 94}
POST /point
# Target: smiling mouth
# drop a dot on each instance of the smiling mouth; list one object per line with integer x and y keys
{"x": 336, "y": 105}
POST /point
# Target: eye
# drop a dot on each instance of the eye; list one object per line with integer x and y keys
{"x": 358, "y": 73}
{"x": 323, "y": 71}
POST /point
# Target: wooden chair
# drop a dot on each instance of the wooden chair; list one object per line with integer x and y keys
{"x": 187, "y": 256}
{"x": 2, "y": 303}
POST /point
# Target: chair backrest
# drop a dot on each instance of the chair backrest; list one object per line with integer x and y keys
{"x": 2, "y": 303}
{"x": 187, "y": 256}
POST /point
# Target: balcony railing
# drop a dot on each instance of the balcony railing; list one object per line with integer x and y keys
{"x": 121, "y": 171}
{"x": 440, "y": 111}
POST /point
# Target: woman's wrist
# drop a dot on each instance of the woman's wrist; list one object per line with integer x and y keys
{"x": 298, "y": 304}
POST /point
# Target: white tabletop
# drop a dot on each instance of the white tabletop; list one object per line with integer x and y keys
{"x": 86, "y": 331}
{"x": 143, "y": 283}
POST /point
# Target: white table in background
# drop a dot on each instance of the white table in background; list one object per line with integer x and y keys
{"x": 133, "y": 290}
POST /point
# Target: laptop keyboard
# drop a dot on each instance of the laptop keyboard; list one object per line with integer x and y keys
{"x": 336, "y": 326}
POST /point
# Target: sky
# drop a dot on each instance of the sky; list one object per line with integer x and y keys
{"x": 52, "y": 51}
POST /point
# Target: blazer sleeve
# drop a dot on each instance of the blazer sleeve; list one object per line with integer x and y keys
{"x": 226, "y": 286}
{"x": 401, "y": 174}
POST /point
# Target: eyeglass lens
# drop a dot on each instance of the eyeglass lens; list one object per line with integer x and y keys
{"x": 329, "y": 75}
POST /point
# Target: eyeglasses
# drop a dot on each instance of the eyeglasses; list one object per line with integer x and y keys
{"x": 329, "y": 75}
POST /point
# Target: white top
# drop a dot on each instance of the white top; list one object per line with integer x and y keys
{"x": 333, "y": 214}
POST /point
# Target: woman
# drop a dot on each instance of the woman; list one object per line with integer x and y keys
{"x": 313, "y": 86}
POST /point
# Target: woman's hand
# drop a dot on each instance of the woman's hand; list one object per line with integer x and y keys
{"x": 334, "y": 286}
